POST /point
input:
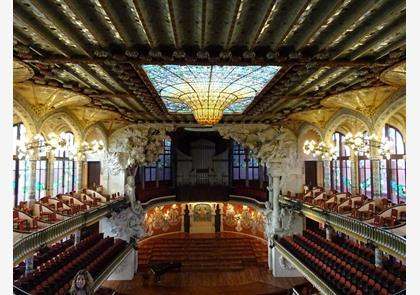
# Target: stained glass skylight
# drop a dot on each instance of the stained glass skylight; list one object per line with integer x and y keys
{"x": 208, "y": 91}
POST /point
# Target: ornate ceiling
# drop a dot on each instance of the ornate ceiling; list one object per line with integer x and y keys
{"x": 96, "y": 48}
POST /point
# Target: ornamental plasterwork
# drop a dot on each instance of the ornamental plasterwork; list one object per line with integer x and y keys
{"x": 270, "y": 144}
{"x": 89, "y": 115}
{"x": 140, "y": 144}
{"x": 47, "y": 98}
{"x": 21, "y": 72}
{"x": 365, "y": 101}
{"x": 318, "y": 118}
{"x": 395, "y": 76}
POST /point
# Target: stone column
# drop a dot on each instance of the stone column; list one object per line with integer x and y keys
{"x": 270, "y": 189}
{"x": 32, "y": 180}
{"x": 50, "y": 174}
{"x": 77, "y": 236}
{"x": 328, "y": 232}
{"x": 378, "y": 257}
{"x": 327, "y": 175}
{"x": 29, "y": 264}
{"x": 320, "y": 174}
{"x": 275, "y": 172}
{"x": 354, "y": 173}
{"x": 376, "y": 176}
{"x": 80, "y": 169}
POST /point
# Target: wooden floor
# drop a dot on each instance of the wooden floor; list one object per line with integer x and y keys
{"x": 252, "y": 277}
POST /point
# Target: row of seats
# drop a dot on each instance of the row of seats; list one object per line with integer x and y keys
{"x": 360, "y": 251}
{"x": 47, "y": 269}
{"x": 343, "y": 270}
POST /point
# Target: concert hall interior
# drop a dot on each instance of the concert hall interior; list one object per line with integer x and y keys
{"x": 209, "y": 147}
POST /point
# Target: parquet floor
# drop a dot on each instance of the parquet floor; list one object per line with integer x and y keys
{"x": 225, "y": 263}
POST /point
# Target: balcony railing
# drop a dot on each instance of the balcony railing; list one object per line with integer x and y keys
{"x": 385, "y": 240}
{"x": 34, "y": 241}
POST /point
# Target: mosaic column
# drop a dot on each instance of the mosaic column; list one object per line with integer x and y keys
{"x": 327, "y": 175}
{"x": 29, "y": 264}
{"x": 32, "y": 180}
{"x": 77, "y": 236}
{"x": 376, "y": 175}
{"x": 378, "y": 257}
{"x": 270, "y": 189}
{"x": 354, "y": 174}
{"x": 80, "y": 168}
{"x": 50, "y": 174}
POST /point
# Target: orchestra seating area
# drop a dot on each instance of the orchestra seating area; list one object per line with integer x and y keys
{"x": 56, "y": 267}
{"x": 204, "y": 252}
{"x": 348, "y": 268}
{"x": 377, "y": 212}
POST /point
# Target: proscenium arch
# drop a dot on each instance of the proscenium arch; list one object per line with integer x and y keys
{"x": 71, "y": 122}
{"x": 340, "y": 117}
{"x": 387, "y": 110}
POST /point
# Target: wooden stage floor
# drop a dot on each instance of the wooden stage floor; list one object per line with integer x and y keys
{"x": 251, "y": 279}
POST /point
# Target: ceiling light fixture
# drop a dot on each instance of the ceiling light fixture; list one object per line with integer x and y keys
{"x": 208, "y": 91}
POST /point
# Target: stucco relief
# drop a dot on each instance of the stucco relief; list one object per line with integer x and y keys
{"x": 245, "y": 218}
{"x": 161, "y": 218}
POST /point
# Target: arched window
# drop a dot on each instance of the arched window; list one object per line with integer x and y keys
{"x": 21, "y": 168}
{"x": 365, "y": 173}
{"x": 64, "y": 169}
{"x": 393, "y": 171}
{"x": 162, "y": 168}
{"x": 341, "y": 167}
{"x": 243, "y": 162}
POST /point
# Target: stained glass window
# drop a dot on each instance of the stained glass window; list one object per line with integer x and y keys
{"x": 162, "y": 168}
{"x": 184, "y": 87}
{"x": 393, "y": 171}
{"x": 243, "y": 162}
{"x": 341, "y": 167}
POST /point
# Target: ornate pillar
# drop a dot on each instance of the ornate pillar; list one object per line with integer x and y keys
{"x": 77, "y": 236}
{"x": 354, "y": 173}
{"x": 320, "y": 173}
{"x": 80, "y": 168}
{"x": 327, "y": 175}
{"x": 270, "y": 189}
{"x": 32, "y": 179}
{"x": 275, "y": 172}
{"x": 29, "y": 265}
{"x": 50, "y": 174}
{"x": 378, "y": 257}
{"x": 376, "y": 175}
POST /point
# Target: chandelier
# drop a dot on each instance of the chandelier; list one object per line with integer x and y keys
{"x": 320, "y": 150}
{"x": 79, "y": 152}
{"x": 362, "y": 144}
{"x": 38, "y": 146}
{"x": 208, "y": 91}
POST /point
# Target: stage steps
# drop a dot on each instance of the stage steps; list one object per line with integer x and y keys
{"x": 204, "y": 253}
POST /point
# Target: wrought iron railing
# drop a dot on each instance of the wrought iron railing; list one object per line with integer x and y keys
{"x": 385, "y": 240}
{"x": 32, "y": 242}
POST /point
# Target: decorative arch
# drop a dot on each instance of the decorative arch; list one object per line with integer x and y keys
{"x": 305, "y": 128}
{"x": 387, "y": 110}
{"x": 26, "y": 116}
{"x": 98, "y": 127}
{"x": 342, "y": 116}
{"x": 71, "y": 122}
